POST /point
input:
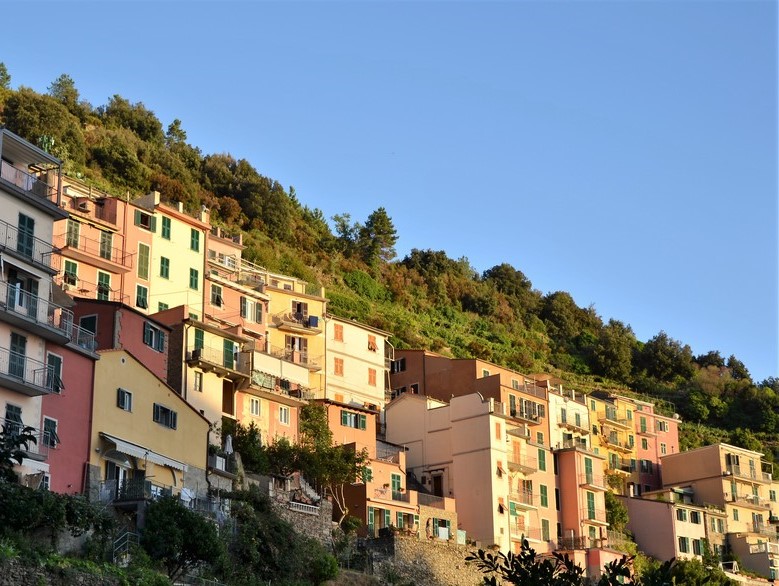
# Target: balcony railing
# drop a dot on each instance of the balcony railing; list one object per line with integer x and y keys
{"x": 37, "y": 450}
{"x": 29, "y": 183}
{"x": 25, "y": 245}
{"x": 525, "y": 464}
{"x": 222, "y": 463}
{"x": 217, "y": 357}
{"x": 430, "y": 500}
{"x": 764, "y": 547}
{"x": 26, "y": 375}
{"x": 749, "y": 500}
{"x": 575, "y": 542}
{"x": 594, "y": 515}
{"x": 387, "y": 453}
{"x": 298, "y": 321}
{"x": 36, "y": 309}
{"x": 524, "y": 498}
{"x": 83, "y": 338}
{"x": 592, "y": 479}
{"x": 567, "y": 419}
{"x": 78, "y": 287}
{"x": 748, "y": 473}
{"x": 621, "y": 465}
{"x": 616, "y": 444}
{"x": 297, "y": 356}
{"x": 763, "y": 529}
{"x": 389, "y": 494}
{"x": 98, "y": 249}
{"x": 574, "y": 443}
{"x": 133, "y": 489}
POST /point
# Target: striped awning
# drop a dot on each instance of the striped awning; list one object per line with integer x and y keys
{"x": 137, "y": 451}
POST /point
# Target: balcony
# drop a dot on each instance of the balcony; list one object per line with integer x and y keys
{"x": 748, "y": 500}
{"x": 24, "y": 246}
{"x": 97, "y": 253}
{"x": 592, "y": 480}
{"x": 388, "y": 494}
{"x": 297, "y": 323}
{"x": 26, "y": 376}
{"x": 524, "y": 500}
{"x": 297, "y": 357}
{"x": 526, "y": 416}
{"x": 524, "y": 464}
{"x": 387, "y": 453}
{"x": 82, "y": 338}
{"x": 569, "y": 422}
{"x": 594, "y": 516}
{"x": 519, "y": 532}
{"x": 222, "y": 464}
{"x": 78, "y": 287}
{"x": 579, "y": 444}
{"x": 763, "y": 529}
{"x": 616, "y": 444}
{"x": 30, "y": 186}
{"x": 578, "y": 542}
{"x": 223, "y": 364}
{"x": 764, "y": 547}
{"x": 35, "y": 314}
{"x": 132, "y": 491}
{"x": 38, "y": 450}
{"x": 747, "y": 473}
{"x": 614, "y": 421}
{"x": 430, "y": 500}
{"x": 621, "y": 465}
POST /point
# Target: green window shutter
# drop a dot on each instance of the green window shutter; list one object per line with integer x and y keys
{"x": 152, "y": 223}
{"x": 544, "y": 495}
{"x": 143, "y": 261}
{"x": 344, "y": 418}
{"x": 198, "y": 339}
{"x": 137, "y": 217}
{"x": 166, "y": 228}
{"x": 362, "y": 422}
{"x": 244, "y": 307}
{"x": 228, "y": 353}
{"x": 387, "y": 518}
{"x": 541, "y": 460}
{"x": 591, "y": 505}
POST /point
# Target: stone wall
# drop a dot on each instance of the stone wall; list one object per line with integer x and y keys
{"x": 423, "y": 562}
{"x": 13, "y": 573}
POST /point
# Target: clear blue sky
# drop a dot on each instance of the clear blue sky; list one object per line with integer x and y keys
{"x": 625, "y": 152}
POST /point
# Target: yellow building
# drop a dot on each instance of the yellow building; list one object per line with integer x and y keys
{"x": 146, "y": 440}
{"x": 613, "y": 436}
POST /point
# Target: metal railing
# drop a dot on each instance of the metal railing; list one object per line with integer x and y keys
{"x": 764, "y": 547}
{"x": 27, "y": 182}
{"x": 42, "y": 311}
{"x": 222, "y": 462}
{"x": 37, "y": 251}
{"x": 296, "y": 356}
{"x": 609, "y": 418}
{"x": 43, "y": 440}
{"x": 575, "y": 542}
{"x": 524, "y": 497}
{"x": 389, "y": 494}
{"x": 81, "y": 288}
{"x": 574, "y": 443}
{"x": 569, "y": 419}
{"x": 748, "y": 499}
{"x": 749, "y": 473}
{"x": 28, "y": 371}
{"x": 83, "y": 338}
{"x": 622, "y": 464}
{"x": 298, "y": 319}
{"x": 217, "y": 356}
{"x": 133, "y": 489}
{"x": 592, "y": 479}
{"x": 98, "y": 249}
{"x": 431, "y": 500}
{"x": 598, "y": 515}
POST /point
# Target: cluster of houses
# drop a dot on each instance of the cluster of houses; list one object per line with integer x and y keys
{"x": 130, "y": 330}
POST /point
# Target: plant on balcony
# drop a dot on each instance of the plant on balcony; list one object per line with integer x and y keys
{"x": 13, "y": 446}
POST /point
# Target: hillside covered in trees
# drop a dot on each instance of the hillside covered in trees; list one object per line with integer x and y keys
{"x": 426, "y": 299}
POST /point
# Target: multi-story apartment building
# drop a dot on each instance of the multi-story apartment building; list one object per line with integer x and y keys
{"x": 613, "y": 436}
{"x": 739, "y": 482}
{"x": 357, "y": 359}
{"x": 37, "y": 334}
{"x": 667, "y": 524}
{"x": 473, "y": 450}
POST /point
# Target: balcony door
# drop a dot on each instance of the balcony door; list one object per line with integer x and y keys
{"x": 18, "y": 355}
{"x": 22, "y": 294}
{"x": 26, "y": 238}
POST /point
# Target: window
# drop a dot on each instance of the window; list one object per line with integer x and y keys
{"x": 544, "y": 495}
{"x": 106, "y": 245}
{"x": 540, "y": 438}
{"x": 198, "y": 381}
{"x": 165, "y": 416}
{"x": 141, "y": 296}
{"x": 124, "y": 400}
{"x": 251, "y": 310}
{"x": 545, "y": 529}
{"x": 73, "y": 233}
{"x": 284, "y": 415}
{"x": 199, "y": 339}
{"x": 355, "y": 420}
{"x": 103, "y": 286}
{"x": 54, "y": 373}
{"x": 71, "y": 273}
{"x": 542, "y": 460}
{"x": 663, "y": 449}
{"x": 88, "y": 323}
{"x": 17, "y": 356}
{"x": 644, "y": 443}
{"x": 50, "y": 437}
{"x": 498, "y": 435}
{"x": 631, "y": 441}
{"x": 590, "y": 505}
{"x": 164, "y": 267}
{"x": 372, "y": 377}
{"x": 26, "y": 235}
{"x": 695, "y": 517}
{"x": 143, "y": 261}
{"x": 338, "y": 366}
{"x": 735, "y": 514}
{"x": 145, "y": 221}
{"x": 372, "y": 345}
{"x": 630, "y": 415}
{"x": 166, "y": 228}
{"x": 592, "y": 405}
{"x": 720, "y": 525}
{"x": 772, "y": 496}
{"x": 399, "y": 520}
{"x": 162, "y": 306}
{"x": 642, "y": 423}
{"x": 397, "y": 366}
{"x": 485, "y": 373}
{"x": 45, "y": 482}
{"x": 194, "y": 284}
{"x": 153, "y": 337}
{"x": 194, "y": 240}
{"x": 338, "y": 332}
{"x": 662, "y": 426}
{"x": 254, "y": 406}
{"x": 216, "y": 295}
{"x": 515, "y": 384}
{"x": 684, "y": 544}
{"x": 13, "y": 419}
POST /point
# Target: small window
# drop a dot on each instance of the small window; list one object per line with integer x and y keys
{"x": 103, "y": 286}
{"x": 88, "y": 323}
{"x": 681, "y": 514}
{"x": 695, "y": 517}
{"x": 544, "y": 495}
{"x": 198, "y": 383}
{"x": 153, "y": 337}
{"x": 216, "y": 296}
{"x": 772, "y": 496}
{"x": 397, "y": 366}
{"x": 106, "y": 245}
{"x": 485, "y": 372}
{"x": 735, "y": 514}
{"x": 166, "y": 228}
{"x": 372, "y": 344}
{"x": 284, "y": 415}
{"x": 254, "y": 406}
{"x": 194, "y": 280}
{"x": 540, "y": 437}
{"x": 54, "y": 373}
{"x": 165, "y": 416}
{"x": 355, "y": 420}
{"x": 644, "y": 444}
{"x": 141, "y": 296}
{"x": 684, "y": 544}
{"x": 194, "y": 240}
{"x": 338, "y": 366}
{"x": 164, "y": 267}
{"x": 145, "y": 221}
{"x": 162, "y": 306}
{"x": 372, "y": 377}
{"x": 72, "y": 235}
{"x": 71, "y": 273}
{"x": 338, "y": 333}
{"x": 542, "y": 460}
{"x": 50, "y": 437}
{"x": 663, "y": 449}
{"x": 515, "y": 384}
{"x": 124, "y": 400}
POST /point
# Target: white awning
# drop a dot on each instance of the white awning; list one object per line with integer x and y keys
{"x": 137, "y": 451}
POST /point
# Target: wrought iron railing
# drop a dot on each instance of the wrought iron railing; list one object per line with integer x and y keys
{"x": 36, "y": 251}
{"x": 27, "y": 182}
{"x": 42, "y": 311}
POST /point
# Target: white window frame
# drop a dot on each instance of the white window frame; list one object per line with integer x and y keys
{"x": 283, "y": 415}
{"x": 48, "y": 441}
{"x": 198, "y": 381}
{"x": 254, "y": 406}
{"x": 124, "y": 400}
